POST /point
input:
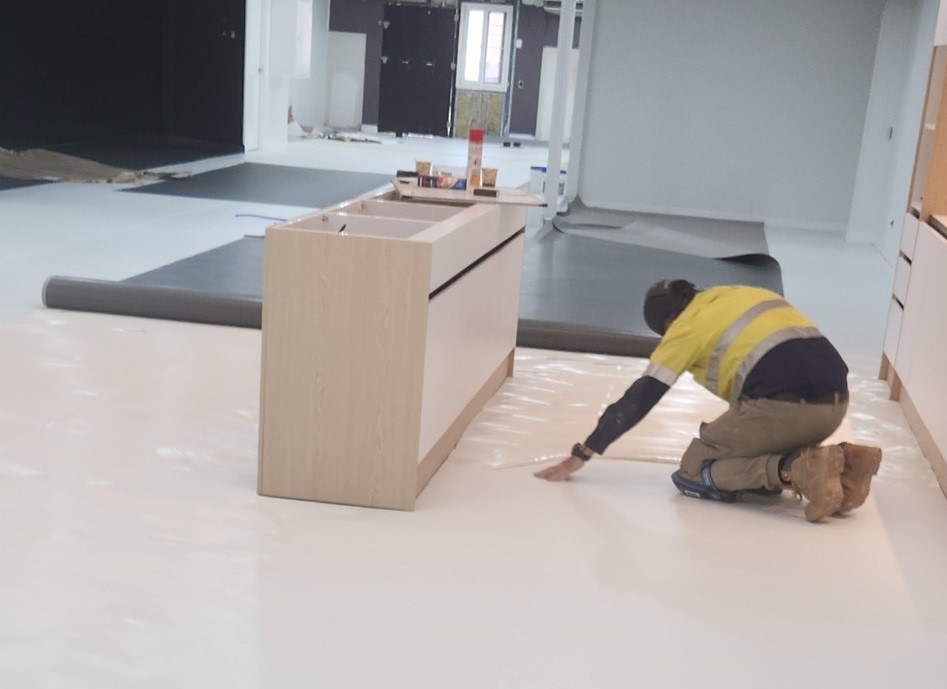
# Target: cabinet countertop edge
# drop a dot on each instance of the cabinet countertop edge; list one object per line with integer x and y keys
{"x": 939, "y": 223}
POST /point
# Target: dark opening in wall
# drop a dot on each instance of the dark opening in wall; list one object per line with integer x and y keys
{"x": 113, "y": 73}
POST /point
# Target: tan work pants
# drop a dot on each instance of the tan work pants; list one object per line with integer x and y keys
{"x": 748, "y": 440}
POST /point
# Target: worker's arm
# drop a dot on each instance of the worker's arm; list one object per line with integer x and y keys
{"x": 617, "y": 419}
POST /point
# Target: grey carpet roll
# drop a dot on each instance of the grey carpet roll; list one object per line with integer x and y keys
{"x": 148, "y": 301}
{"x": 569, "y": 337}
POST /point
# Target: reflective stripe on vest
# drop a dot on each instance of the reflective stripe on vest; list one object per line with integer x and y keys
{"x": 760, "y": 350}
{"x": 730, "y": 335}
{"x": 662, "y": 373}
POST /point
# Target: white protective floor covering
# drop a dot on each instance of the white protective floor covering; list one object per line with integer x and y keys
{"x": 137, "y": 553}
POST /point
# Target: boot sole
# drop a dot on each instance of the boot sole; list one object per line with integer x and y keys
{"x": 861, "y": 464}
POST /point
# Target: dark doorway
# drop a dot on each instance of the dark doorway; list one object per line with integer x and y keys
{"x": 205, "y": 56}
{"x": 134, "y": 84}
{"x": 417, "y": 72}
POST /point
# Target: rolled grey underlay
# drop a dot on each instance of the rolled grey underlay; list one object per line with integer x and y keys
{"x": 566, "y": 337}
{"x": 149, "y": 301}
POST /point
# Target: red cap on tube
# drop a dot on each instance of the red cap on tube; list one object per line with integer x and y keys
{"x": 476, "y": 135}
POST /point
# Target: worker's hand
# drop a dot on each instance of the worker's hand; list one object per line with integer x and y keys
{"x": 562, "y": 470}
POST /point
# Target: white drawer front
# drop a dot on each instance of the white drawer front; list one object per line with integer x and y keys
{"x": 893, "y": 331}
{"x": 909, "y": 235}
{"x": 902, "y": 275}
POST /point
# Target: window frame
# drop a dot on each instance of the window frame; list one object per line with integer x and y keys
{"x": 480, "y": 85}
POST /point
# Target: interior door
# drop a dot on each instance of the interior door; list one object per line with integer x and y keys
{"x": 417, "y": 71}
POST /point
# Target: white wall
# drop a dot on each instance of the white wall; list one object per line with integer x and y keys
{"x": 276, "y": 49}
{"x": 735, "y": 108}
{"x": 547, "y": 89}
{"x": 308, "y": 95}
{"x": 884, "y": 128}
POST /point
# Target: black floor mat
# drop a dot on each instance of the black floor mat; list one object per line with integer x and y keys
{"x": 235, "y": 269}
{"x": 272, "y": 184}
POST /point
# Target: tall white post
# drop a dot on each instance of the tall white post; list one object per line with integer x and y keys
{"x": 581, "y": 98}
{"x": 563, "y": 55}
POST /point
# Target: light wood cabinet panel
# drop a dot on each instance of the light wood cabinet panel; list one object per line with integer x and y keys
{"x": 386, "y": 327}
{"x": 931, "y": 142}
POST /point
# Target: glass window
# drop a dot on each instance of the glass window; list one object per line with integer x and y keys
{"x": 474, "y": 51}
{"x": 484, "y": 50}
{"x": 493, "y": 60}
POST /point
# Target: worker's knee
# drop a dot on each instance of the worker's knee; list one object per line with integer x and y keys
{"x": 694, "y": 457}
{"x": 702, "y": 484}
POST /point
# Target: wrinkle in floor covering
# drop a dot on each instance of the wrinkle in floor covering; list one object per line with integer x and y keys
{"x": 707, "y": 237}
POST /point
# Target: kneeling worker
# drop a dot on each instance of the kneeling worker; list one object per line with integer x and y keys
{"x": 787, "y": 389}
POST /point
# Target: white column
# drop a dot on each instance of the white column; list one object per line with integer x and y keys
{"x": 563, "y": 56}
{"x": 581, "y": 97}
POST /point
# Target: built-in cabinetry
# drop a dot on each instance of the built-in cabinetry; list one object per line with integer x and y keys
{"x": 387, "y": 324}
{"x": 915, "y": 343}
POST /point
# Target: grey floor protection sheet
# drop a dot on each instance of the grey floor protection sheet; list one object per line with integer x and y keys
{"x": 274, "y": 184}
{"x": 578, "y": 294}
{"x": 585, "y": 294}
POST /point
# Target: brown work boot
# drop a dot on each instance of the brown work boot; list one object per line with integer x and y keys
{"x": 861, "y": 463}
{"x": 815, "y": 475}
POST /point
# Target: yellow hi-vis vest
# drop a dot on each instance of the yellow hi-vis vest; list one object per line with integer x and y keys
{"x": 722, "y": 334}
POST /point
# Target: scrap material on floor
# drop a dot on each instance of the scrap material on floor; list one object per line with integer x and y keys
{"x": 44, "y": 165}
{"x": 350, "y": 137}
{"x": 141, "y": 155}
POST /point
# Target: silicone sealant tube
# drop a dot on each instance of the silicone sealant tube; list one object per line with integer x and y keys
{"x": 474, "y": 156}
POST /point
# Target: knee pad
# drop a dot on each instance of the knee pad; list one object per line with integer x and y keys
{"x": 704, "y": 488}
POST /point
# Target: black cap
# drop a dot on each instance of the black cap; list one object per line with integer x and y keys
{"x": 666, "y": 299}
